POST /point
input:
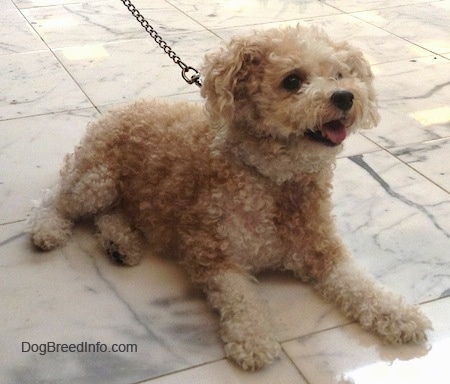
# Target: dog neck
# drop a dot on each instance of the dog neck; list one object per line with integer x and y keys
{"x": 278, "y": 160}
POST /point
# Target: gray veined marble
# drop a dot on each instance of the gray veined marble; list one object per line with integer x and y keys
{"x": 430, "y": 159}
{"x": 63, "y": 62}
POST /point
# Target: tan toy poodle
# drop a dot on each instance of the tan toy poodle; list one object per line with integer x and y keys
{"x": 236, "y": 187}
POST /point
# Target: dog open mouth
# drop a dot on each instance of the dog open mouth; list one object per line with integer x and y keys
{"x": 332, "y": 133}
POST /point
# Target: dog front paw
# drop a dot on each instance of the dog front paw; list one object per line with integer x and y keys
{"x": 403, "y": 325}
{"x": 253, "y": 354}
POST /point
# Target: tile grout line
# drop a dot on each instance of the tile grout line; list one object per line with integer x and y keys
{"x": 297, "y": 368}
{"x": 389, "y": 150}
{"x": 432, "y": 53}
{"x": 50, "y": 50}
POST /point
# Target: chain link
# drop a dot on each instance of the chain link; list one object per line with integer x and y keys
{"x": 189, "y": 74}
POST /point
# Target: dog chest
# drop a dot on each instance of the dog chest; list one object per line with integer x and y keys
{"x": 247, "y": 226}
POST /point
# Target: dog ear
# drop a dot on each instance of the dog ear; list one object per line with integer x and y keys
{"x": 358, "y": 64}
{"x": 227, "y": 74}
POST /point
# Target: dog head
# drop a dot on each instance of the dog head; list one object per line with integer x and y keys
{"x": 289, "y": 85}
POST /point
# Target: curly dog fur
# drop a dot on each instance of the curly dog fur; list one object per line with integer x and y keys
{"x": 240, "y": 186}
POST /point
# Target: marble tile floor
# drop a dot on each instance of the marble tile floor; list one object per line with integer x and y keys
{"x": 64, "y": 62}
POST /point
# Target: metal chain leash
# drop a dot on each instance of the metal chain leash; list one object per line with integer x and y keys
{"x": 189, "y": 74}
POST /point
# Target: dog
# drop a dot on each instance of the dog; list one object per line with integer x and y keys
{"x": 238, "y": 186}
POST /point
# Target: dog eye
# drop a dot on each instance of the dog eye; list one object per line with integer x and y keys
{"x": 292, "y": 82}
{"x": 339, "y": 76}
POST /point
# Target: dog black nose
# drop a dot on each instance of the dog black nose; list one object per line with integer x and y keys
{"x": 342, "y": 99}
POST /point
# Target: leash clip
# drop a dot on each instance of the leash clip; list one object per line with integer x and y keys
{"x": 195, "y": 78}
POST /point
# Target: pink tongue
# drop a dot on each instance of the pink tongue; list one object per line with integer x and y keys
{"x": 335, "y": 131}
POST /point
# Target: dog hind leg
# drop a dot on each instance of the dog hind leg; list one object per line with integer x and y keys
{"x": 48, "y": 228}
{"x": 80, "y": 194}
